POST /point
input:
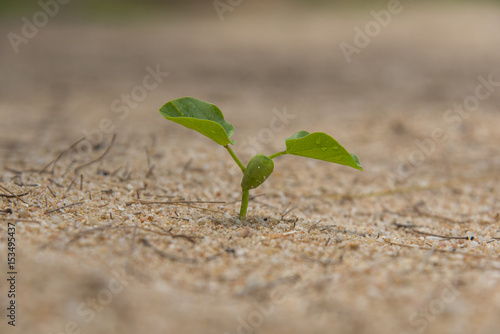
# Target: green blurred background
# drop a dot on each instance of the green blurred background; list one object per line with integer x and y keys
{"x": 96, "y": 9}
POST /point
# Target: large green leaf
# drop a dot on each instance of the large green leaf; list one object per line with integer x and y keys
{"x": 319, "y": 145}
{"x": 200, "y": 116}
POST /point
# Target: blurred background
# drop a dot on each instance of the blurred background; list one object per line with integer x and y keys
{"x": 66, "y": 65}
{"x": 388, "y": 79}
{"x": 95, "y": 8}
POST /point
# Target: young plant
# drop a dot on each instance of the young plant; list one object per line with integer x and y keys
{"x": 208, "y": 120}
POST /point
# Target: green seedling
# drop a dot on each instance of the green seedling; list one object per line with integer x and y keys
{"x": 208, "y": 120}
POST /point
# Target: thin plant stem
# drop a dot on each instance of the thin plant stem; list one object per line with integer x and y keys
{"x": 235, "y": 158}
{"x": 244, "y": 204}
{"x": 277, "y": 154}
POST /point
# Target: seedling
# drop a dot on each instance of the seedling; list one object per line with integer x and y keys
{"x": 208, "y": 120}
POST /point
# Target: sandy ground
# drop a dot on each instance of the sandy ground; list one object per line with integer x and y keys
{"x": 326, "y": 248}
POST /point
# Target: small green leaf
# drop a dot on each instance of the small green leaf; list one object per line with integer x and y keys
{"x": 298, "y": 135}
{"x": 319, "y": 145}
{"x": 200, "y": 116}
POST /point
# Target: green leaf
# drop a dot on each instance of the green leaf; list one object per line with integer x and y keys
{"x": 319, "y": 145}
{"x": 298, "y": 135}
{"x": 200, "y": 116}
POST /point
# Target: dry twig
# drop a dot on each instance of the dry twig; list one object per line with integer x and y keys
{"x": 161, "y": 253}
{"x": 62, "y": 207}
{"x": 14, "y": 195}
{"x": 433, "y": 249}
{"x": 53, "y": 162}
{"x": 79, "y": 168}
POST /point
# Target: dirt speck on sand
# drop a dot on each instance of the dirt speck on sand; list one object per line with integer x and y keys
{"x": 409, "y": 245}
